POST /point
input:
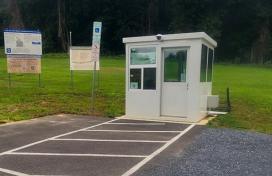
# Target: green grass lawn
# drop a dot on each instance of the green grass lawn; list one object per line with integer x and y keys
{"x": 250, "y": 92}
{"x": 26, "y": 100}
{"x": 250, "y": 95}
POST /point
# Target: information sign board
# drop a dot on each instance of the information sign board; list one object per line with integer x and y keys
{"x": 81, "y": 58}
{"x": 97, "y": 26}
{"x": 23, "y": 64}
{"x": 23, "y": 42}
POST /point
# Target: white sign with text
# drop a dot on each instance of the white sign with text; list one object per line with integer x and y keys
{"x": 23, "y": 41}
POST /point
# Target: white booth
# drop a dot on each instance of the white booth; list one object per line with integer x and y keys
{"x": 169, "y": 77}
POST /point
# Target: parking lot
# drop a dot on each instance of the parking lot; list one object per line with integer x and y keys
{"x": 85, "y": 145}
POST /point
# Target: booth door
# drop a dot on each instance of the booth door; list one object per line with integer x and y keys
{"x": 174, "y": 82}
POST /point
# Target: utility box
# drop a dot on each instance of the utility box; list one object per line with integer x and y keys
{"x": 213, "y": 101}
{"x": 169, "y": 77}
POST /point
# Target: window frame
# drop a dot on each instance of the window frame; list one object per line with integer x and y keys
{"x": 212, "y": 62}
{"x": 142, "y": 67}
{"x": 206, "y": 63}
{"x": 187, "y": 66}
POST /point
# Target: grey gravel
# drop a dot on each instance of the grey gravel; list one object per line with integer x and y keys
{"x": 222, "y": 152}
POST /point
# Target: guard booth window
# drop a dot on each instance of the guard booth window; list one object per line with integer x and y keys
{"x": 135, "y": 78}
{"x": 143, "y": 68}
{"x": 210, "y": 65}
{"x": 206, "y": 64}
{"x": 175, "y": 65}
{"x": 203, "y": 68}
{"x": 143, "y": 55}
{"x": 150, "y": 78}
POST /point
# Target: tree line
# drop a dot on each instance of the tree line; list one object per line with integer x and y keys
{"x": 242, "y": 28}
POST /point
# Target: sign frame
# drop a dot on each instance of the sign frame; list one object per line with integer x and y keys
{"x": 27, "y": 42}
{"x": 97, "y": 27}
{"x": 80, "y": 52}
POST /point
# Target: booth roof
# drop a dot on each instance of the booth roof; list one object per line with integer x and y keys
{"x": 181, "y": 36}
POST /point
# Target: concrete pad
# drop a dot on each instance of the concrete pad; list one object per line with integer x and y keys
{"x": 67, "y": 165}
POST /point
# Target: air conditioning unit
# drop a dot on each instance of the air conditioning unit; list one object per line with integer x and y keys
{"x": 213, "y": 101}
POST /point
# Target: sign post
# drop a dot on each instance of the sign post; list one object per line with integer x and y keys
{"x": 70, "y": 53}
{"x": 9, "y": 81}
{"x": 97, "y": 26}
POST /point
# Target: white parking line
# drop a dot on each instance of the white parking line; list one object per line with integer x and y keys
{"x": 132, "y": 131}
{"x": 146, "y": 158}
{"x": 74, "y": 154}
{"x": 12, "y": 172}
{"x": 106, "y": 140}
{"x": 50, "y": 175}
{"x": 136, "y": 167}
{"x": 34, "y": 143}
{"x": 135, "y": 123}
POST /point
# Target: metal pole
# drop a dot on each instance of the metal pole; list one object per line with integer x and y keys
{"x": 93, "y": 86}
{"x": 72, "y": 84}
{"x": 9, "y": 81}
{"x": 70, "y": 38}
{"x": 72, "y": 80}
{"x": 39, "y": 80}
{"x": 98, "y": 78}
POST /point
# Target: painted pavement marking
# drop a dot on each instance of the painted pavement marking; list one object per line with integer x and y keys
{"x": 135, "y": 123}
{"x": 106, "y": 140}
{"x": 13, "y": 172}
{"x": 146, "y": 159}
{"x": 132, "y": 131}
{"x": 70, "y": 154}
{"x": 34, "y": 143}
{"x": 143, "y": 162}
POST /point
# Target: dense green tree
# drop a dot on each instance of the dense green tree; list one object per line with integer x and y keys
{"x": 242, "y": 28}
{"x": 197, "y": 15}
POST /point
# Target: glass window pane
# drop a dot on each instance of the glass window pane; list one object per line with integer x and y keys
{"x": 144, "y": 55}
{"x": 150, "y": 78}
{"x": 135, "y": 78}
{"x": 210, "y": 64}
{"x": 175, "y": 65}
{"x": 203, "y": 63}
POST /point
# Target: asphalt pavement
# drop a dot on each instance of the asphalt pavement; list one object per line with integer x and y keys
{"x": 85, "y": 145}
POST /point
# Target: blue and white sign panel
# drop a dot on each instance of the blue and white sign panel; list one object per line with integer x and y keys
{"x": 97, "y": 27}
{"x": 23, "y": 42}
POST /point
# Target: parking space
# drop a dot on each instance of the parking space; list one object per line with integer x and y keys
{"x": 106, "y": 147}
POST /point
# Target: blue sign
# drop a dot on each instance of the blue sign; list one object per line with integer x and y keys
{"x": 36, "y": 43}
{"x": 96, "y": 30}
{"x": 24, "y": 56}
{"x": 8, "y": 50}
{"x": 22, "y": 31}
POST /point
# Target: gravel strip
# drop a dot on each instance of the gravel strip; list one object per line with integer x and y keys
{"x": 221, "y": 152}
